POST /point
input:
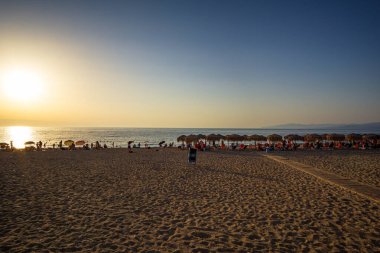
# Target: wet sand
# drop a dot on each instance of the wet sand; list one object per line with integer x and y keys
{"x": 111, "y": 200}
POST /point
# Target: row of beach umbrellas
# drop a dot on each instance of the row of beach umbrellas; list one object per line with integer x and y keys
{"x": 67, "y": 142}
{"x": 275, "y": 137}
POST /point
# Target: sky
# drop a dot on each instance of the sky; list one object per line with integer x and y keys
{"x": 241, "y": 64}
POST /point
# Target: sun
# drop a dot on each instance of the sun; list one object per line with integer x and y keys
{"x": 22, "y": 84}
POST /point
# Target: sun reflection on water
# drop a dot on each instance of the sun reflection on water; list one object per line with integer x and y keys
{"x": 19, "y": 135}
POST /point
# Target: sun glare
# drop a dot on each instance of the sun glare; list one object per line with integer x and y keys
{"x": 18, "y": 135}
{"x": 22, "y": 85}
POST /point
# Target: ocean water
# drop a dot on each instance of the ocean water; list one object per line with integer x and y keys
{"x": 151, "y": 136}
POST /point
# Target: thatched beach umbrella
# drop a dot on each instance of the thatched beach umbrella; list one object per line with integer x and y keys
{"x": 29, "y": 145}
{"x": 274, "y": 137}
{"x": 181, "y": 138}
{"x": 371, "y": 137}
{"x": 293, "y": 137}
{"x": 234, "y": 137}
{"x": 353, "y": 137}
{"x": 312, "y": 137}
{"x": 201, "y": 137}
{"x": 221, "y": 137}
{"x": 229, "y": 137}
{"x": 212, "y": 137}
{"x": 325, "y": 137}
{"x": 336, "y": 137}
{"x": 240, "y": 137}
{"x": 256, "y": 137}
{"x": 191, "y": 138}
{"x": 68, "y": 142}
{"x": 79, "y": 143}
{"x": 4, "y": 145}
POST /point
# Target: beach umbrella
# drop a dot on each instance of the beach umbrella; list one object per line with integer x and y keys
{"x": 353, "y": 137}
{"x": 325, "y": 137}
{"x": 29, "y": 143}
{"x": 81, "y": 142}
{"x": 161, "y": 142}
{"x": 130, "y": 142}
{"x": 201, "y": 136}
{"x": 212, "y": 137}
{"x": 336, "y": 137}
{"x": 312, "y": 137}
{"x": 241, "y": 137}
{"x": 68, "y": 142}
{"x": 191, "y": 138}
{"x": 3, "y": 145}
{"x": 256, "y": 137}
{"x": 181, "y": 138}
{"x": 234, "y": 137}
{"x": 293, "y": 137}
{"x": 221, "y": 137}
{"x": 274, "y": 137}
{"x": 246, "y": 138}
{"x": 371, "y": 137}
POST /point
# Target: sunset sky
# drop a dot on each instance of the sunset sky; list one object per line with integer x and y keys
{"x": 189, "y": 63}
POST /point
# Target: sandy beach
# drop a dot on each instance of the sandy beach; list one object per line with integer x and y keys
{"x": 153, "y": 201}
{"x": 360, "y": 165}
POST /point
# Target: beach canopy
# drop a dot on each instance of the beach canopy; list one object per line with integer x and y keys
{"x": 3, "y": 145}
{"x": 234, "y": 137}
{"x": 312, "y": 137}
{"x": 256, "y": 137}
{"x": 371, "y": 137}
{"x": 29, "y": 143}
{"x": 325, "y": 137}
{"x": 293, "y": 137}
{"x": 68, "y": 142}
{"x": 191, "y": 138}
{"x": 81, "y": 142}
{"x": 274, "y": 137}
{"x": 212, "y": 137}
{"x": 181, "y": 138}
{"x": 221, "y": 137}
{"x": 353, "y": 137}
{"x": 201, "y": 136}
{"x": 336, "y": 137}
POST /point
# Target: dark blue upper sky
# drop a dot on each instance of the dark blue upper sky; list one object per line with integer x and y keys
{"x": 305, "y": 54}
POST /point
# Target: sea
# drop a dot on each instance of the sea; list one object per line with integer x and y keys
{"x": 119, "y": 137}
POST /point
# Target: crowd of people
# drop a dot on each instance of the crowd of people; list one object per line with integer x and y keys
{"x": 283, "y": 145}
